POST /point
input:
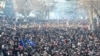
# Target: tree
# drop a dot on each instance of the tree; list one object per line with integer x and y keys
{"x": 26, "y": 6}
{"x": 91, "y": 4}
{"x": 92, "y": 7}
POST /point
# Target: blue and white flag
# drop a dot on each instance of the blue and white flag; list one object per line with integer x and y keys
{"x": 31, "y": 43}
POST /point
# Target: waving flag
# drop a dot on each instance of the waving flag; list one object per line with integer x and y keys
{"x": 22, "y": 43}
{"x": 31, "y": 43}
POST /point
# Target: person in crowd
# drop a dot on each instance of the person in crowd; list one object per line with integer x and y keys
{"x": 49, "y": 42}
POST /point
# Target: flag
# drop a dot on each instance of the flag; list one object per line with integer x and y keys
{"x": 20, "y": 47}
{"x": 31, "y": 43}
{"x": 22, "y": 43}
{"x": 46, "y": 25}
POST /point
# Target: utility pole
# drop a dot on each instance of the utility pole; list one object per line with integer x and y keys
{"x": 91, "y": 24}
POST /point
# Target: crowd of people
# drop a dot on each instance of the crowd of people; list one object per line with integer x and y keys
{"x": 49, "y": 42}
